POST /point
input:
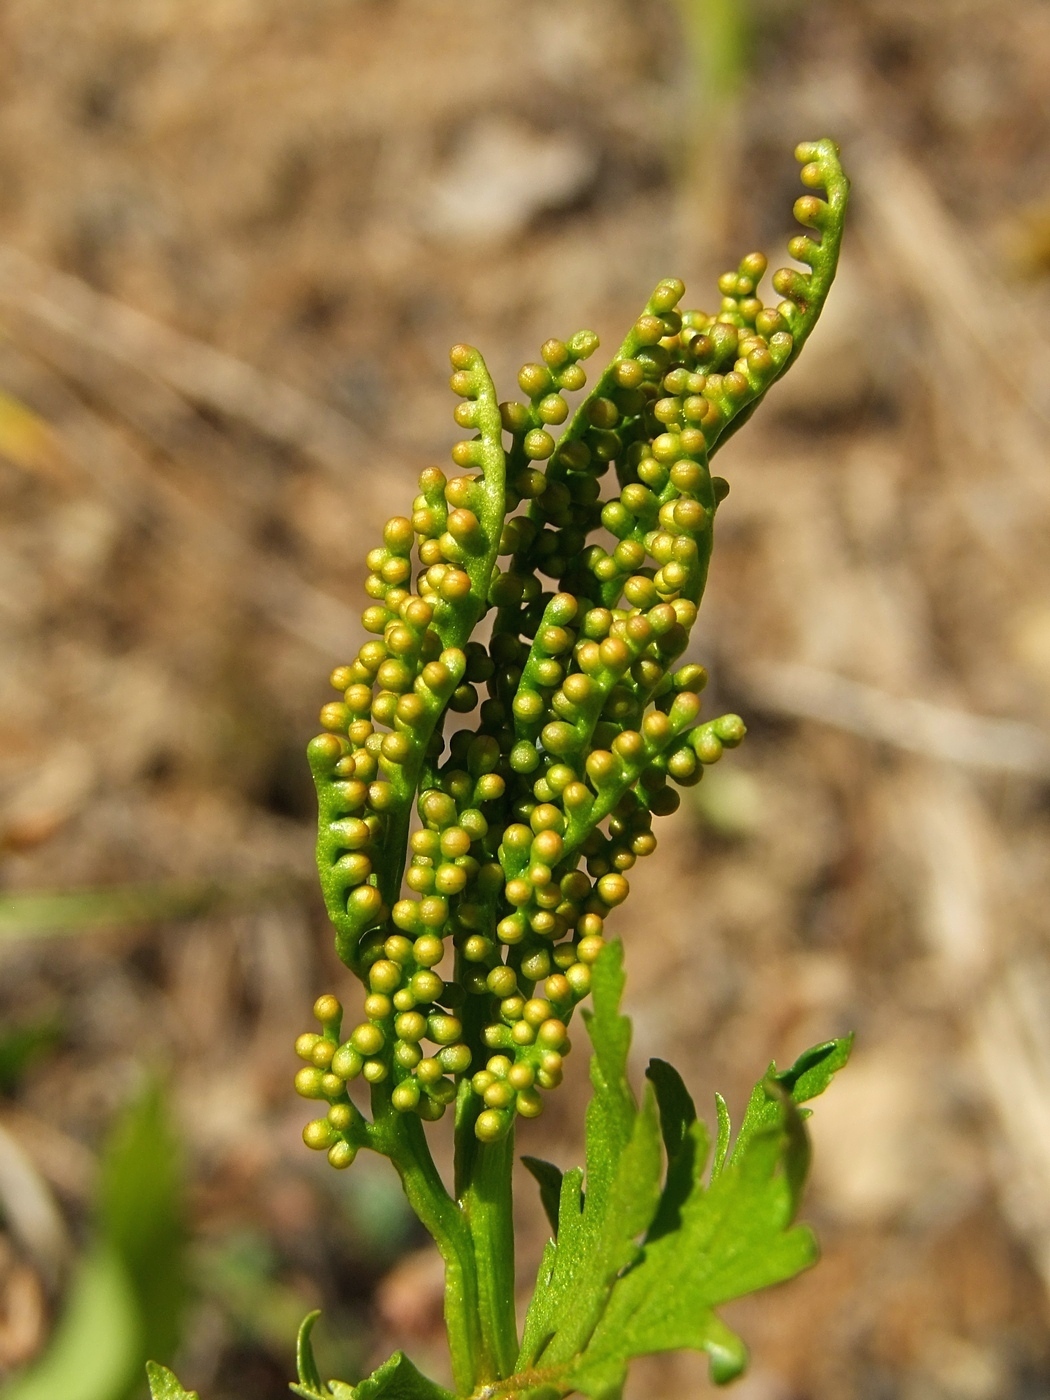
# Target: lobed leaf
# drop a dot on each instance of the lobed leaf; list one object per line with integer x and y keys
{"x": 396, "y": 1379}
{"x": 96, "y": 1350}
{"x": 610, "y": 1236}
{"x": 612, "y": 1109}
{"x": 807, "y": 1078}
{"x": 122, "y": 1305}
{"x": 685, "y": 1141}
{"x": 596, "y": 1233}
{"x": 549, "y": 1178}
{"x": 310, "y": 1382}
{"x": 641, "y": 1267}
{"x": 164, "y": 1384}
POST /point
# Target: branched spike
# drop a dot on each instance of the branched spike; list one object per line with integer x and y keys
{"x": 476, "y": 933}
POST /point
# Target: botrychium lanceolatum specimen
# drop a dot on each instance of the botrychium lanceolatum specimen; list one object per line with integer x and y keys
{"x": 484, "y": 795}
{"x": 590, "y": 551}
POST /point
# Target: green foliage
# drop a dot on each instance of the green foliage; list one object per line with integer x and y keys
{"x": 531, "y": 818}
{"x": 396, "y": 1379}
{"x": 658, "y": 1241}
{"x": 491, "y": 838}
{"x": 125, "y": 1299}
{"x": 140, "y": 1215}
{"x": 642, "y": 1265}
{"x": 164, "y": 1386}
{"x": 21, "y": 1045}
{"x": 96, "y": 1352}
{"x": 717, "y": 35}
{"x": 46, "y": 913}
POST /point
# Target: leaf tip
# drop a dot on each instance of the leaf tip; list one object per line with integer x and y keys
{"x": 164, "y": 1384}
{"x": 305, "y": 1365}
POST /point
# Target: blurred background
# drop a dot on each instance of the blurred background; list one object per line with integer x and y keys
{"x": 236, "y": 241}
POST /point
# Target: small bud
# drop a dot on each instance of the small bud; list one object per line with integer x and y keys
{"x": 537, "y": 1011}
{"x": 367, "y": 1039}
{"x": 308, "y": 1082}
{"x": 589, "y": 948}
{"x": 502, "y": 981}
{"x": 538, "y": 445}
{"x": 428, "y": 950}
{"x": 578, "y": 976}
{"x": 341, "y": 1115}
{"x": 536, "y": 965}
{"x": 347, "y": 1062}
{"x": 547, "y": 818}
{"x": 385, "y": 975}
{"x": 491, "y": 1125}
{"x": 341, "y": 1155}
{"x": 512, "y": 929}
{"x": 444, "y": 1030}
{"x": 528, "y": 1103}
{"x": 426, "y": 985}
{"x": 455, "y": 1059}
{"x": 319, "y": 1135}
{"x": 557, "y": 989}
{"x": 499, "y": 1094}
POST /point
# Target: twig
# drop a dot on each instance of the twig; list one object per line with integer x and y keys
{"x": 931, "y": 256}
{"x": 204, "y": 375}
{"x": 50, "y": 912}
{"x": 127, "y": 481}
{"x": 31, "y": 1211}
{"x": 956, "y": 736}
{"x": 998, "y": 991}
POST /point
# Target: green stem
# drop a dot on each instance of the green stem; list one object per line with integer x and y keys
{"x": 401, "y": 1138}
{"x": 485, "y": 1193}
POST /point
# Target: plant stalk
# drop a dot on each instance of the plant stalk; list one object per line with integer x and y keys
{"x": 401, "y": 1138}
{"x": 488, "y": 1207}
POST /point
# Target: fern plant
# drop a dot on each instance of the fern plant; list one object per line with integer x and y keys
{"x": 471, "y": 851}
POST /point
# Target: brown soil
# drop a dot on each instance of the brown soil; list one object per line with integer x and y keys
{"x": 331, "y": 193}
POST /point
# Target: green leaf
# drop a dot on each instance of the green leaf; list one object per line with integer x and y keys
{"x": 126, "y": 1297}
{"x": 610, "y": 1118}
{"x": 725, "y": 1128}
{"x": 726, "y": 1353}
{"x": 565, "y": 1258}
{"x": 603, "y": 1299}
{"x": 814, "y": 1070}
{"x": 96, "y": 1350}
{"x": 601, "y": 1380}
{"x": 140, "y": 1211}
{"x": 21, "y": 1045}
{"x": 310, "y": 1382}
{"x": 611, "y": 1111}
{"x": 549, "y": 1178}
{"x": 164, "y": 1385}
{"x": 808, "y": 1077}
{"x": 596, "y": 1234}
{"x": 396, "y": 1379}
{"x": 612, "y": 1234}
{"x": 677, "y": 1110}
{"x": 686, "y": 1143}
{"x": 734, "y": 1238}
